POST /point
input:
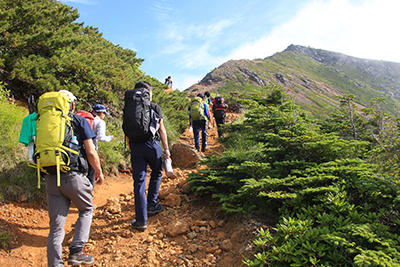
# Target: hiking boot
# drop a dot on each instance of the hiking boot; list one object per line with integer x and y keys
{"x": 205, "y": 148}
{"x": 153, "y": 210}
{"x": 139, "y": 225}
{"x": 80, "y": 259}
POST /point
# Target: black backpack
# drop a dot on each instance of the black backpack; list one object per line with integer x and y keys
{"x": 140, "y": 122}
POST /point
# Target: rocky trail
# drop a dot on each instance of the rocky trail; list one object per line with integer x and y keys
{"x": 191, "y": 231}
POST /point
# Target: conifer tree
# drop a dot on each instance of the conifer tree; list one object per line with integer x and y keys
{"x": 329, "y": 206}
{"x": 44, "y": 49}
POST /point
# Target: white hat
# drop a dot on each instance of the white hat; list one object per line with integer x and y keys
{"x": 68, "y": 93}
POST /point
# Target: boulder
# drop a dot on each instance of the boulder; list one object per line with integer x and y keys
{"x": 177, "y": 227}
{"x": 113, "y": 205}
{"x": 172, "y": 200}
{"x": 226, "y": 245}
{"x": 184, "y": 156}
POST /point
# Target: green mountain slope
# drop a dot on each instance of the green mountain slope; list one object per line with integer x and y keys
{"x": 312, "y": 76}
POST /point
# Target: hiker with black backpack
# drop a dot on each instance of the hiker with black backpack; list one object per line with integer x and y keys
{"x": 168, "y": 81}
{"x": 198, "y": 117}
{"x": 219, "y": 110}
{"x": 66, "y": 182}
{"x": 144, "y": 128}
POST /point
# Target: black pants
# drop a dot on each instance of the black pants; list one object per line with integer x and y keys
{"x": 220, "y": 120}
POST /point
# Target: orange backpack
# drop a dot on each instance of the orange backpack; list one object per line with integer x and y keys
{"x": 87, "y": 115}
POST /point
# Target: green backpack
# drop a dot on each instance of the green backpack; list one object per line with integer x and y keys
{"x": 196, "y": 109}
{"x": 53, "y": 135}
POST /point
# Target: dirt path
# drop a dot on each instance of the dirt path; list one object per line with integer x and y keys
{"x": 191, "y": 232}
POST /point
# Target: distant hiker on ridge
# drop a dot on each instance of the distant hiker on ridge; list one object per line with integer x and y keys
{"x": 168, "y": 81}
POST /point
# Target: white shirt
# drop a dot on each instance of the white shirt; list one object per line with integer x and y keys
{"x": 99, "y": 129}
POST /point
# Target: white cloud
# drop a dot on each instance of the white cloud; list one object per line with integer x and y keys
{"x": 191, "y": 45}
{"x": 161, "y": 9}
{"x": 198, "y": 58}
{"x": 366, "y": 30}
{"x": 215, "y": 29}
{"x": 188, "y": 80}
{"x": 174, "y": 31}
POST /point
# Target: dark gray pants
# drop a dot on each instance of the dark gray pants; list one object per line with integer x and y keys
{"x": 74, "y": 187}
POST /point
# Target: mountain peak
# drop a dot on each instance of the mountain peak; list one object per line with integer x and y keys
{"x": 312, "y": 76}
{"x": 319, "y": 55}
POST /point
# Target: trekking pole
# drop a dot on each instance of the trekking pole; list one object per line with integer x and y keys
{"x": 30, "y": 105}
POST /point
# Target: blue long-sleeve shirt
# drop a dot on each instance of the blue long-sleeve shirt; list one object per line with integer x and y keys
{"x": 206, "y": 111}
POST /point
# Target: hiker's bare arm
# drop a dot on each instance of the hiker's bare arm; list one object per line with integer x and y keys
{"x": 94, "y": 160}
{"x": 164, "y": 139}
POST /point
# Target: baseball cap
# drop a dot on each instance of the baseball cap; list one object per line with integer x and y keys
{"x": 100, "y": 108}
{"x": 68, "y": 93}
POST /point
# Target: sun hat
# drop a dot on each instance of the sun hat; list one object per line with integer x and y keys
{"x": 100, "y": 108}
{"x": 68, "y": 93}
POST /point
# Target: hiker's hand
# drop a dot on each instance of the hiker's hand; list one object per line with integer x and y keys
{"x": 99, "y": 178}
{"x": 167, "y": 154}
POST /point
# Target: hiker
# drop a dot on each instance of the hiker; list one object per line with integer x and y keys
{"x": 209, "y": 103}
{"x": 198, "y": 116}
{"x": 74, "y": 186}
{"x": 219, "y": 110}
{"x": 145, "y": 148}
{"x": 168, "y": 81}
{"x": 99, "y": 125}
{"x": 208, "y": 99}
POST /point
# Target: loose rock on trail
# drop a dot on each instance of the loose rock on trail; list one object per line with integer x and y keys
{"x": 191, "y": 231}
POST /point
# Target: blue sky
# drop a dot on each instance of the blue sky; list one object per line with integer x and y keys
{"x": 186, "y": 39}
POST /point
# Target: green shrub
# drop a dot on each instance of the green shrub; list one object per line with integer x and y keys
{"x": 113, "y": 154}
{"x": 332, "y": 207}
{"x": 5, "y": 241}
{"x": 20, "y": 183}
{"x": 11, "y": 117}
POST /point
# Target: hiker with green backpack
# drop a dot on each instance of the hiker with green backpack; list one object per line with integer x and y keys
{"x": 198, "y": 116}
{"x": 63, "y": 150}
